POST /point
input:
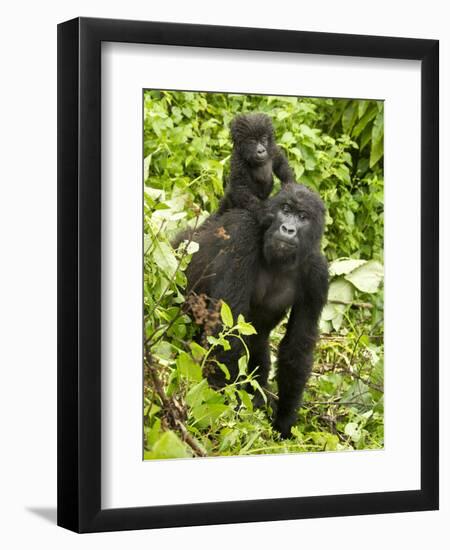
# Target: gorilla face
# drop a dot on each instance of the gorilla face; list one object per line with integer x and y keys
{"x": 256, "y": 150}
{"x": 254, "y": 138}
{"x": 294, "y": 222}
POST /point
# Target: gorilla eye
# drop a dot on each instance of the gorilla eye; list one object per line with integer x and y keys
{"x": 303, "y": 216}
{"x": 286, "y": 208}
{"x": 264, "y": 140}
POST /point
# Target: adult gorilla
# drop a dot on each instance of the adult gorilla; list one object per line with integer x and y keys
{"x": 262, "y": 271}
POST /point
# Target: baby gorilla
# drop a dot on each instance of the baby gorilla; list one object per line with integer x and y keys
{"x": 254, "y": 159}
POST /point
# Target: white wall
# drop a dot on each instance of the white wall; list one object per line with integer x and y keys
{"x": 28, "y": 273}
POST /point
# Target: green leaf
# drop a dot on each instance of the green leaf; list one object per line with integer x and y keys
{"x": 229, "y": 438}
{"x": 188, "y": 368}
{"x": 242, "y": 364}
{"x": 224, "y": 369}
{"x": 363, "y": 123}
{"x": 198, "y": 351}
{"x": 337, "y": 321}
{"x": 324, "y": 326}
{"x": 350, "y": 218}
{"x": 191, "y": 246}
{"x": 376, "y": 151}
{"x": 342, "y": 266}
{"x": 227, "y": 316}
{"x": 213, "y": 340}
{"x": 281, "y": 115}
{"x": 220, "y": 341}
{"x": 246, "y": 328}
{"x": 309, "y": 157}
{"x": 342, "y": 172}
{"x": 164, "y": 257}
{"x": 349, "y": 117}
{"x": 169, "y": 445}
{"x": 329, "y": 312}
{"x": 353, "y": 431}
{"x": 155, "y": 194}
{"x": 152, "y": 434}
{"x": 340, "y": 290}
{"x": 362, "y": 107}
{"x": 327, "y": 441}
{"x": 287, "y": 138}
{"x": 246, "y": 401}
{"x": 206, "y": 414}
{"x": 198, "y": 394}
{"x": 312, "y": 134}
{"x": 368, "y": 277}
{"x": 258, "y": 389}
{"x": 148, "y": 241}
{"x": 151, "y": 410}
{"x": 147, "y": 161}
{"x": 163, "y": 350}
{"x": 365, "y": 138}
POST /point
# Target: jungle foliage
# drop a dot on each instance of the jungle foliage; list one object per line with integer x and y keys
{"x": 335, "y": 146}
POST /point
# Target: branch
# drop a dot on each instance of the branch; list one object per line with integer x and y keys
{"x": 180, "y": 311}
{"x": 155, "y": 236}
{"x": 172, "y": 408}
{"x": 366, "y": 305}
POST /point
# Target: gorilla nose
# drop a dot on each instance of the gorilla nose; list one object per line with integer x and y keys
{"x": 288, "y": 230}
{"x": 261, "y": 150}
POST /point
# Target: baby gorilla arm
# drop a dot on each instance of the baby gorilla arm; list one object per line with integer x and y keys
{"x": 281, "y": 167}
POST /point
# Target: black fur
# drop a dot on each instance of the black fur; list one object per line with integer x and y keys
{"x": 262, "y": 271}
{"x": 254, "y": 159}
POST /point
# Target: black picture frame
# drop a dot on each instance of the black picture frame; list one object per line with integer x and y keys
{"x": 79, "y": 274}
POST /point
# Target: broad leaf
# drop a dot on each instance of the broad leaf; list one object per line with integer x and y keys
{"x": 340, "y": 290}
{"x": 342, "y": 266}
{"x": 376, "y": 152}
{"x": 227, "y": 316}
{"x": 169, "y": 445}
{"x": 164, "y": 257}
{"x": 246, "y": 328}
{"x": 368, "y": 277}
{"x": 208, "y": 413}
{"x": 188, "y": 368}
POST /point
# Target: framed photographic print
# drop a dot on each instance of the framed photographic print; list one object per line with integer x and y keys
{"x": 248, "y": 275}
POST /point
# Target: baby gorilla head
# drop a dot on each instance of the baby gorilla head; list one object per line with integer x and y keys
{"x": 294, "y": 225}
{"x": 254, "y": 138}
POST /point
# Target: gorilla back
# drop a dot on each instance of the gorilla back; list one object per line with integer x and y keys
{"x": 262, "y": 269}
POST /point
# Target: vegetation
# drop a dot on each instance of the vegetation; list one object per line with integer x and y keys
{"x": 335, "y": 147}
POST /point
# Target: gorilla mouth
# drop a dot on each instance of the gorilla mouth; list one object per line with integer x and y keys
{"x": 280, "y": 250}
{"x": 285, "y": 244}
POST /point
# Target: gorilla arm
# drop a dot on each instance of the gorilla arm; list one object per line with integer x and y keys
{"x": 295, "y": 355}
{"x": 281, "y": 167}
